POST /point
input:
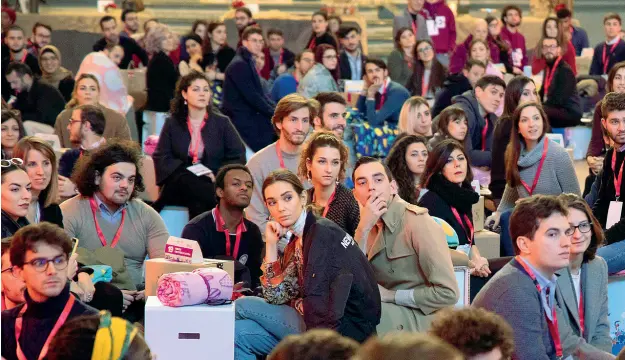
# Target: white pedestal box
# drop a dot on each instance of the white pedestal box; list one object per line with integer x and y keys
{"x": 191, "y": 332}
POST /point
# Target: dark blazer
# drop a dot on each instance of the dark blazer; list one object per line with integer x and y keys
{"x": 161, "y": 80}
{"x": 341, "y": 292}
{"x": 346, "y": 70}
{"x": 344, "y": 210}
{"x": 325, "y": 38}
{"x": 222, "y": 146}
{"x": 594, "y": 284}
{"x": 562, "y": 94}
{"x": 43, "y": 103}
{"x": 245, "y": 102}
{"x": 130, "y": 48}
{"x": 618, "y": 55}
{"x": 288, "y": 59}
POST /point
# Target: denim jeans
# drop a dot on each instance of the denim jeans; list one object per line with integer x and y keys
{"x": 614, "y": 255}
{"x": 506, "y": 249}
{"x": 260, "y": 326}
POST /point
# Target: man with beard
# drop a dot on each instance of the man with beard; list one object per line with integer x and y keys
{"x": 287, "y": 83}
{"x": 558, "y": 93}
{"x": 381, "y": 98}
{"x": 291, "y": 121}
{"x": 130, "y": 18}
{"x": 278, "y": 59}
{"x": 42, "y": 36}
{"x": 242, "y": 19}
{"x": 511, "y": 16}
{"x": 243, "y": 241}
{"x": 114, "y": 227}
{"x": 331, "y": 115}
{"x": 108, "y": 25}
{"x": 15, "y": 42}
{"x": 352, "y": 60}
{"x": 12, "y": 286}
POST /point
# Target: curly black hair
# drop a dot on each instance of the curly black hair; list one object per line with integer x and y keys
{"x": 396, "y": 161}
{"x": 115, "y": 151}
{"x": 178, "y": 109}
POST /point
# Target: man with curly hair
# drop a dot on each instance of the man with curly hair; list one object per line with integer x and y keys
{"x": 114, "y": 227}
{"x": 477, "y": 333}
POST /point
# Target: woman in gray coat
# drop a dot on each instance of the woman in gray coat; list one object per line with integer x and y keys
{"x": 324, "y": 75}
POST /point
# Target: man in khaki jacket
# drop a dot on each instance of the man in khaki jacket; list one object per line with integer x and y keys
{"x": 407, "y": 250}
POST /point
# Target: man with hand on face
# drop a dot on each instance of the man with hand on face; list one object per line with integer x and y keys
{"x": 108, "y": 25}
{"x": 558, "y": 93}
{"x": 351, "y": 60}
{"x": 12, "y": 286}
{"x": 479, "y": 106}
{"x": 278, "y": 59}
{"x": 224, "y": 232}
{"x": 114, "y": 227}
{"x": 381, "y": 99}
{"x": 406, "y": 248}
{"x": 511, "y": 17}
{"x": 40, "y": 257}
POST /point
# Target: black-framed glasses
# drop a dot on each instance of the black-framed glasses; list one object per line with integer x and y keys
{"x": 424, "y": 50}
{"x": 9, "y": 162}
{"x": 71, "y": 121}
{"x": 41, "y": 264}
{"x": 9, "y": 270}
{"x": 583, "y": 227}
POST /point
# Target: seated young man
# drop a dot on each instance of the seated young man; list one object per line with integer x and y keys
{"x": 40, "y": 256}
{"x": 243, "y": 241}
{"x": 12, "y": 286}
{"x": 524, "y": 292}
{"x": 381, "y": 99}
{"x": 457, "y": 84}
{"x": 612, "y": 50}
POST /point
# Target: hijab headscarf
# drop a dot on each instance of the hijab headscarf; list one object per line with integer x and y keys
{"x": 61, "y": 73}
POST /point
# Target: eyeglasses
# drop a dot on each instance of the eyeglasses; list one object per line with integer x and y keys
{"x": 9, "y": 270}
{"x": 41, "y": 264}
{"x": 583, "y": 227}
{"x": 550, "y": 47}
{"x": 330, "y": 57}
{"x": 9, "y": 162}
{"x": 71, "y": 121}
{"x": 424, "y": 50}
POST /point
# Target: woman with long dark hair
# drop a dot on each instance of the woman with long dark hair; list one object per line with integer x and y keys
{"x": 323, "y": 160}
{"x": 553, "y": 29}
{"x": 450, "y": 197}
{"x": 494, "y": 37}
{"x": 406, "y": 160}
{"x": 217, "y": 53}
{"x": 400, "y": 60}
{"x": 428, "y": 74}
{"x": 324, "y": 75}
{"x": 320, "y": 32}
{"x": 452, "y": 124}
{"x": 16, "y": 195}
{"x": 12, "y": 132}
{"x": 194, "y": 134}
{"x": 519, "y": 90}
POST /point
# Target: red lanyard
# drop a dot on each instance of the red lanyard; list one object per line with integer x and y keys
{"x": 550, "y": 73}
{"x": 279, "y": 153}
{"x": 382, "y": 96}
{"x": 118, "y": 234}
{"x": 313, "y": 42}
{"x": 484, "y": 132}
{"x": 619, "y": 179}
{"x": 55, "y": 329}
{"x": 424, "y": 89}
{"x": 327, "y": 208}
{"x": 581, "y": 307}
{"x": 606, "y": 57}
{"x": 281, "y": 57}
{"x": 468, "y": 222}
{"x": 414, "y": 26}
{"x": 222, "y": 225}
{"x": 551, "y": 324}
{"x": 23, "y": 59}
{"x": 530, "y": 191}
{"x": 194, "y": 150}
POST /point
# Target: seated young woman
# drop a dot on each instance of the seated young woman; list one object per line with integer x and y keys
{"x": 450, "y": 197}
{"x": 400, "y": 60}
{"x": 406, "y": 160}
{"x": 16, "y": 195}
{"x": 415, "y": 117}
{"x": 323, "y": 76}
{"x": 315, "y": 276}
{"x": 452, "y": 124}
{"x": 323, "y": 160}
{"x": 428, "y": 74}
{"x": 12, "y": 132}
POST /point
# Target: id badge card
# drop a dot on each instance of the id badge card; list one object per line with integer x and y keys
{"x": 614, "y": 213}
{"x": 432, "y": 28}
{"x": 199, "y": 169}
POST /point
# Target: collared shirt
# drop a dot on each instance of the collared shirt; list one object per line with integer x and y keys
{"x": 355, "y": 64}
{"x": 547, "y": 286}
{"x": 621, "y": 149}
{"x": 95, "y": 145}
{"x": 113, "y": 217}
{"x": 613, "y": 41}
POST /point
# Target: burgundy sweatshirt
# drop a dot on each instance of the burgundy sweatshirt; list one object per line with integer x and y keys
{"x": 445, "y": 22}
{"x": 517, "y": 47}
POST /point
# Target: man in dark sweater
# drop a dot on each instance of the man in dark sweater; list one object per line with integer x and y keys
{"x": 612, "y": 50}
{"x": 40, "y": 256}
{"x": 14, "y": 50}
{"x": 278, "y": 59}
{"x": 243, "y": 241}
{"x": 558, "y": 93}
{"x": 108, "y": 24}
{"x": 381, "y": 99}
{"x": 37, "y": 101}
{"x": 457, "y": 84}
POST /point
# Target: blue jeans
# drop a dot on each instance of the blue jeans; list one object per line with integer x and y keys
{"x": 260, "y": 326}
{"x": 614, "y": 255}
{"x": 506, "y": 249}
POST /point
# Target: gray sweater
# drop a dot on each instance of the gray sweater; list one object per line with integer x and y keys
{"x": 556, "y": 177}
{"x": 398, "y": 69}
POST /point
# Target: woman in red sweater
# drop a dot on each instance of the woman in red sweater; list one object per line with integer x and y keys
{"x": 553, "y": 29}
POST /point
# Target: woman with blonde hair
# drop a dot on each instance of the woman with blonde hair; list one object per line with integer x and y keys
{"x": 415, "y": 117}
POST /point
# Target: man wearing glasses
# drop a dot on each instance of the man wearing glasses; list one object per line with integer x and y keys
{"x": 381, "y": 98}
{"x": 558, "y": 93}
{"x": 39, "y": 254}
{"x": 12, "y": 286}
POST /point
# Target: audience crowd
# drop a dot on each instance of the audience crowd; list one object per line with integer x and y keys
{"x": 347, "y": 215}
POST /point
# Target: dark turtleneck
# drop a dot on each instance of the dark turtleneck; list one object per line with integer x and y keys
{"x": 38, "y": 321}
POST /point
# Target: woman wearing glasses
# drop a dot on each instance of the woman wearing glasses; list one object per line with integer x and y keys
{"x": 585, "y": 291}
{"x": 429, "y": 74}
{"x": 16, "y": 196}
{"x": 324, "y": 75}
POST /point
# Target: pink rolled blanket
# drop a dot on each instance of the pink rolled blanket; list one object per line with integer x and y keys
{"x": 218, "y": 283}
{"x": 182, "y": 289}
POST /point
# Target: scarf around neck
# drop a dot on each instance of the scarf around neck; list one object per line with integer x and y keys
{"x": 460, "y": 197}
{"x": 61, "y": 73}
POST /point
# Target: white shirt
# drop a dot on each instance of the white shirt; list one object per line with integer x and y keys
{"x": 576, "y": 283}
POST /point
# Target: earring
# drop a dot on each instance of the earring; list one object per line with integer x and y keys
{"x": 310, "y": 177}
{"x": 185, "y": 101}
{"x": 337, "y": 181}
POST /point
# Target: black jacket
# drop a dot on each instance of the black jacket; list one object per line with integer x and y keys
{"x": 606, "y": 194}
{"x": 246, "y": 103}
{"x": 43, "y": 103}
{"x": 130, "y": 48}
{"x": 562, "y": 95}
{"x": 346, "y": 70}
{"x": 468, "y": 102}
{"x": 30, "y": 60}
{"x": 442, "y": 196}
{"x": 10, "y": 226}
{"x": 222, "y": 59}
{"x": 501, "y": 139}
{"x": 344, "y": 210}
{"x": 222, "y": 146}
{"x": 456, "y": 84}
{"x": 340, "y": 290}
{"x": 66, "y": 88}
{"x": 38, "y": 321}
{"x": 51, "y": 214}
{"x": 161, "y": 80}
{"x": 325, "y": 38}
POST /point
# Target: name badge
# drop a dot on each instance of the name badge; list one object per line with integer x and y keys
{"x": 614, "y": 213}
{"x": 440, "y": 22}
{"x": 432, "y": 28}
{"x": 199, "y": 169}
